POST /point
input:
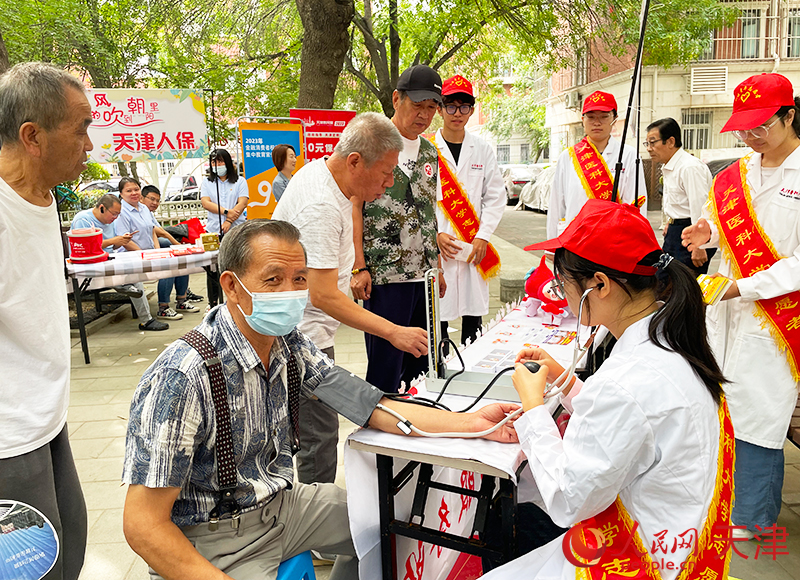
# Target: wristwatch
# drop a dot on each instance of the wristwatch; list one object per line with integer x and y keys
{"x": 357, "y": 270}
{"x": 225, "y": 212}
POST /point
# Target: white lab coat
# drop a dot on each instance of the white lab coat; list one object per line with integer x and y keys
{"x": 762, "y": 393}
{"x": 477, "y": 170}
{"x": 643, "y": 427}
{"x": 567, "y": 195}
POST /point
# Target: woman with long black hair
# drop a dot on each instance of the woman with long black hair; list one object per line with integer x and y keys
{"x": 224, "y": 196}
{"x": 647, "y": 455}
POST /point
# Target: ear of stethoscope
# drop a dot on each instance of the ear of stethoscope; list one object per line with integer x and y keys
{"x": 558, "y": 386}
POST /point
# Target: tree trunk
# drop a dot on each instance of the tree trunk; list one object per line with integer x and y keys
{"x": 325, "y": 43}
{"x": 3, "y": 55}
{"x": 134, "y": 170}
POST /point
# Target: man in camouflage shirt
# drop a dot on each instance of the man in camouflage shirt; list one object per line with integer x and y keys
{"x": 397, "y": 243}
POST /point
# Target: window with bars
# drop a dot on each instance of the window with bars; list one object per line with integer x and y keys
{"x": 750, "y": 32}
{"x": 164, "y": 167}
{"x": 696, "y": 128}
{"x": 793, "y": 33}
{"x": 504, "y": 153}
{"x": 525, "y": 153}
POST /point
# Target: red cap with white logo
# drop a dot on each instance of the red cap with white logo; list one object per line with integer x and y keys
{"x": 599, "y": 101}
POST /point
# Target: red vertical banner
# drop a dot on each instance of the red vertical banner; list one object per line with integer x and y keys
{"x": 323, "y": 127}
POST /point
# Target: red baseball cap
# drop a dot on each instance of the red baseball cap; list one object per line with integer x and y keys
{"x": 599, "y": 101}
{"x": 757, "y": 99}
{"x": 457, "y": 84}
{"x": 609, "y": 234}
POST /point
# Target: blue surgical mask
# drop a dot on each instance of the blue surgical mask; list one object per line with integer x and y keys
{"x": 275, "y": 313}
{"x": 221, "y": 170}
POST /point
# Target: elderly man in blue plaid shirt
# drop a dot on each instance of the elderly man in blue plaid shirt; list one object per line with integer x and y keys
{"x": 173, "y": 459}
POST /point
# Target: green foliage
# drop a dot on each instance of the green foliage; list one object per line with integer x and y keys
{"x": 93, "y": 172}
{"x": 247, "y": 52}
{"x": 517, "y": 111}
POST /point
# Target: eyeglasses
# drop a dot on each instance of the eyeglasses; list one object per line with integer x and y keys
{"x": 760, "y": 132}
{"x": 598, "y": 118}
{"x": 556, "y": 289}
{"x": 113, "y": 213}
{"x": 451, "y": 109}
{"x": 651, "y": 144}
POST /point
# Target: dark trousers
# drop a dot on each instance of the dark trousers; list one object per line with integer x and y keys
{"x": 212, "y": 286}
{"x": 470, "y": 326}
{"x": 673, "y": 246}
{"x": 404, "y": 304}
{"x": 47, "y": 480}
{"x": 319, "y": 435}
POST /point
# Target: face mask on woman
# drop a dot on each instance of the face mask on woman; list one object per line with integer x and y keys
{"x": 221, "y": 170}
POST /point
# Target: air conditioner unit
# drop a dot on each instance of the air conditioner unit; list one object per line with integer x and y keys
{"x": 708, "y": 80}
{"x": 573, "y": 100}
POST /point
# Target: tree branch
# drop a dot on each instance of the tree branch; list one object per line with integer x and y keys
{"x": 348, "y": 64}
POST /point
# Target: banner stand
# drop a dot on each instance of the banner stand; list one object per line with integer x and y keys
{"x": 256, "y": 137}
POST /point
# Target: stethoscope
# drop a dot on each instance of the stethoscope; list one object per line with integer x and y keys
{"x": 551, "y": 389}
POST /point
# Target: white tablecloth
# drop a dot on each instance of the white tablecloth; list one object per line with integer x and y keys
{"x": 362, "y": 492}
{"x": 130, "y": 267}
{"x": 515, "y": 331}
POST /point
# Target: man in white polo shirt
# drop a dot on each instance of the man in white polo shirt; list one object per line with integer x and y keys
{"x": 687, "y": 182}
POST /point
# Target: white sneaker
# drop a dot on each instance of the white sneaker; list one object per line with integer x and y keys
{"x": 186, "y": 307}
{"x": 742, "y": 534}
{"x": 169, "y": 314}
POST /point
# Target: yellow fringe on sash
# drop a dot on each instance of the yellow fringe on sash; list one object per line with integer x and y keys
{"x": 758, "y": 310}
{"x": 494, "y": 270}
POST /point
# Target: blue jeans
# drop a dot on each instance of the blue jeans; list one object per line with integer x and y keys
{"x": 758, "y": 480}
{"x": 181, "y": 283}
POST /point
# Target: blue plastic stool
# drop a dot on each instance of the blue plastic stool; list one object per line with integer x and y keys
{"x": 298, "y": 568}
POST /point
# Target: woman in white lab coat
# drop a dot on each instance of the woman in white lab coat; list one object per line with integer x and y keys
{"x": 763, "y": 390}
{"x": 645, "y": 428}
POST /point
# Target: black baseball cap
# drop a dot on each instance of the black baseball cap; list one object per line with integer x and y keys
{"x": 421, "y": 82}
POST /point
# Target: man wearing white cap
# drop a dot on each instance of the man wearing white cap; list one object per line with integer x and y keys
{"x": 586, "y": 170}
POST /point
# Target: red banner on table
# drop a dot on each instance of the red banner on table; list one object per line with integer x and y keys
{"x": 323, "y": 127}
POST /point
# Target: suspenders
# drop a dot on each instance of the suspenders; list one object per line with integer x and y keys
{"x": 226, "y": 460}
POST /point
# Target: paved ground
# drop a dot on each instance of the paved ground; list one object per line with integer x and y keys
{"x": 101, "y": 394}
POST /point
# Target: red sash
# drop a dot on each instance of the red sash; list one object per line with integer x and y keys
{"x": 750, "y": 250}
{"x": 625, "y": 557}
{"x": 459, "y": 211}
{"x": 592, "y": 170}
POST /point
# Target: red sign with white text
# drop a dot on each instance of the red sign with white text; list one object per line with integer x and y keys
{"x": 322, "y": 128}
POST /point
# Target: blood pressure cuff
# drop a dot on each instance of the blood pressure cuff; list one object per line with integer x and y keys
{"x": 348, "y": 395}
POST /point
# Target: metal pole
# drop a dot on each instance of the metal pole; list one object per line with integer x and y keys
{"x": 637, "y": 68}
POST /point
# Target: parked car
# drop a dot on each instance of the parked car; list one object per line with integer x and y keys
{"x": 188, "y": 194}
{"x": 106, "y": 185}
{"x": 536, "y": 195}
{"x": 719, "y": 164}
{"x": 177, "y": 184}
{"x": 516, "y": 177}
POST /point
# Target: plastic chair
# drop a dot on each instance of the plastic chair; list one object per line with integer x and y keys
{"x": 301, "y": 567}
